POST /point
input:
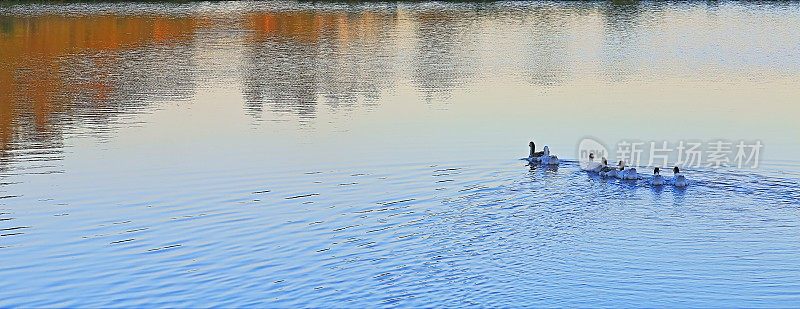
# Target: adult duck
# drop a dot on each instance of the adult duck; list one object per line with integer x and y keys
{"x": 534, "y": 156}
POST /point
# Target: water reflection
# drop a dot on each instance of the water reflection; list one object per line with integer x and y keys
{"x": 548, "y": 44}
{"x": 64, "y": 72}
{"x": 60, "y": 73}
{"x": 621, "y": 24}
{"x": 444, "y": 55}
{"x": 296, "y": 60}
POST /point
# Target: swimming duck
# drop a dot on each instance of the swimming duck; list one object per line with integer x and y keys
{"x": 533, "y": 151}
{"x": 678, "y": 180}
{"x": 546, "y": 158}
{"x": 628, "y": 174}
{"x": 534, "y": 156}
{"x": 613, "y": 172}
{"x": 605, "y": 169}
{"x": 657, "y": 179}
{"x": 591, "y": 166}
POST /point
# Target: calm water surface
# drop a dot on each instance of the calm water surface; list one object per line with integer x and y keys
{"x": 288, "y": 154}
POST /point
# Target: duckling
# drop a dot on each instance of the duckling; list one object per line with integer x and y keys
{"x": 657, "y": 179}
{"x": 679, "y": 180}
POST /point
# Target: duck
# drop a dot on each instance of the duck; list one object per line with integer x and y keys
{"x": 631, "y": 174}
{"x": 534, "y": 153}
{"x": 546, "y": 158}
{"x": 679, "y": 180}
{"x": 591, "y": 166}
{"x": 534, "y": 156}
{"x": 613, "y": 172}
{"x": 627, "y": 174}
{"x": 621, "y": 170}
{"x": 605, "y": 169}
{"x": 657, "y": 179}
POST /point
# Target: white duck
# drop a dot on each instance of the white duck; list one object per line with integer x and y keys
{"x": 591, "y": 166}
{"x": 628, "y": 174}
{"x": 657, "y": 179}
{"x": 547, "y": 159}
{"x": 678, "y": 180}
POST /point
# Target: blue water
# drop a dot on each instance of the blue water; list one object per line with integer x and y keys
{"x": 281, "y": 154}
{"x": 453, "y": 234}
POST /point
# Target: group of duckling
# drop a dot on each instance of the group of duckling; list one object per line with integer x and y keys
{"x": 621, "y": 172}
{"x": 604, "y": 170}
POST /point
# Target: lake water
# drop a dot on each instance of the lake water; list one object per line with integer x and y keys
{"x": 283, "y": 154}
